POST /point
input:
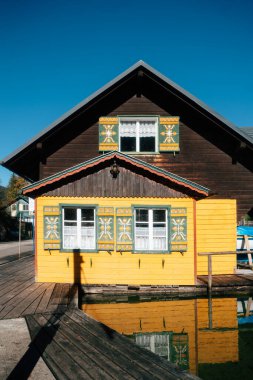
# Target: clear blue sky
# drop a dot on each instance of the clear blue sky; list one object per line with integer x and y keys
{"x": 55, "y": 53}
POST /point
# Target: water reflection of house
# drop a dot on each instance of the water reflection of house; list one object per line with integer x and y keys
{"x": 217, "y": 331}
{"x": 187, "y": 332}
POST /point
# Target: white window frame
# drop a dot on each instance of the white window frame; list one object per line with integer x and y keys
{"x": 79, "y": 225}
{"x": 151, "y": 228}
{"x": 137, "y": 120}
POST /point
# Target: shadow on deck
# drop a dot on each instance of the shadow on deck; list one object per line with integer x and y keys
{"x": 73, "y": 345}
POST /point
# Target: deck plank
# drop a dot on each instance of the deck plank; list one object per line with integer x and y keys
{"x": 45, "y": 299}
{"x": 138, "y": 356}
{"x": 26, "y": 302}
{"x": 105, "y": 351}
{"x": 71, "y": 344}
{"x": 69, "y": 341}
{"x": 55, "y": 357}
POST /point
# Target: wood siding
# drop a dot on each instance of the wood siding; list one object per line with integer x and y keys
{"x": 201, "y": 158}
{"x": 216, "y": 232}
{"x": 101, "y": 184}
{"x": 216, "y": 221}
{"x": 115, "y": 267}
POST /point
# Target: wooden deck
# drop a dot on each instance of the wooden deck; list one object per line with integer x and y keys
{"x": 73, "y": 345}
{"x": 229, "y": 282}
{"x": 20, "y": 295}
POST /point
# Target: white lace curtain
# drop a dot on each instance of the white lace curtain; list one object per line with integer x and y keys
{"x": 142, "y": 239}
{"x": 71, "y": 237}
{"x": 146, "y": 128}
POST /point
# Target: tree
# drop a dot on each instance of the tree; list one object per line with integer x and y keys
{"x": 14, "y": 187}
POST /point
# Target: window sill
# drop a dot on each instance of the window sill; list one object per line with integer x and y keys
{"x": 78, "y": 250}
{"x": 151, "y": 252}
{"x": 140, "y": 153}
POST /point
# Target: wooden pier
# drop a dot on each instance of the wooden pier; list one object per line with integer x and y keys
{"x": 73, "y": 345}
{"x": 231, "y": 282}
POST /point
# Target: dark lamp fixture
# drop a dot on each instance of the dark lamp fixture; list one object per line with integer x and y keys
{"x": 114, "y": 170}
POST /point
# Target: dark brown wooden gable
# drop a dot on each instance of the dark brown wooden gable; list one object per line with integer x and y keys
{"x": 101, "y": 184}
{"x": 200, "y": 160}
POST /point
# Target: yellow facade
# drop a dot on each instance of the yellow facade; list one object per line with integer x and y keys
{"x": 216, "y": 232}
{"x": 114, "y": 267}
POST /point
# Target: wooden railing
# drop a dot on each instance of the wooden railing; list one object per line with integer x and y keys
{"x": 210, "y": 254}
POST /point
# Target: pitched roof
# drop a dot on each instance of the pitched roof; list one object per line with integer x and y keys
{"x": 16, "y": 161}
{"x": 170, "y": 178}
{"x": 248, "y": 131}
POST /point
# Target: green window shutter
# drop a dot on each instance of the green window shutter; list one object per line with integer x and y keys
{"x": 52, "y": 227}
{"x": 105, "y": 228}
{"x": 124, "y": 224}
{"x": 179, "y": 350}
{"x": 169, "y": 134}
{"x": 178, "y": 229}
{"x": 108, "y": 134}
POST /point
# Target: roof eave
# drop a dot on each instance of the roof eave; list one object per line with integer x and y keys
{"x": 137, "y": 66}
{"x": 179, "y": 181}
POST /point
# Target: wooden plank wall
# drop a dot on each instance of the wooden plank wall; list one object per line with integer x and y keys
{"x": 199, "y": 160}
{"x": 115, "y": 267}
{"x": 127, "y": 184}
{"x": 216, "y": 232}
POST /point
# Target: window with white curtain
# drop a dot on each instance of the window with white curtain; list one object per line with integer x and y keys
{"x": 138, "y": 134}
{"x": 79, "y": 228}
{"x": 151, "y": 229}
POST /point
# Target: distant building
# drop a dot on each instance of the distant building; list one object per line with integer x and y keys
{"x": 22, "y": 207}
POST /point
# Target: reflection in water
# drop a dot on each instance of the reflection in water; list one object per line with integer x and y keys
{"x": 192, "y": 333}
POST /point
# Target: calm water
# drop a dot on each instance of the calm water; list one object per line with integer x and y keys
{"x": 212, "y": 338}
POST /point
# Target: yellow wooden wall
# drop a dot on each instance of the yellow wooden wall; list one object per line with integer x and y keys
{"x": 216, "y": 232}
{"x": 115, "y": 267}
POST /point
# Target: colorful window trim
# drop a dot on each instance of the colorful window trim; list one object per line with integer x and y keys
{"x": 144, "y": 134}
{"x": 138, "y": 134}
{"x": 78, "y": 228}
{"x": 139, "y": 228}
{"x": 151, "y": 229}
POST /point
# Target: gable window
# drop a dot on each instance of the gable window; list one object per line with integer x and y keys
{"x": 150, "y": 229}
{"x": 138, "y": 134}
{"x": 79, "y": 228}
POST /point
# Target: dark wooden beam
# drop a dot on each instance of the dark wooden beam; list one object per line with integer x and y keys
{"x": 139, "y": 81}
{"x": 239, "y": 149}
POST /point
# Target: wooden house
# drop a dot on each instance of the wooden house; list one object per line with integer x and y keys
{"x": 133, "y": 182}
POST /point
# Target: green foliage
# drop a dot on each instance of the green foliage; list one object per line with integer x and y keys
{"x": 2, "y": 195}
{"x": 7, "y": 225}
{"x": 14, "y": 187}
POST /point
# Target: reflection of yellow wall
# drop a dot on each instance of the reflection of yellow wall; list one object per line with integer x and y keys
{"x": 216, "y": 345}
{"x": 146, "y": 317}
{"x": 216, "y": 232}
